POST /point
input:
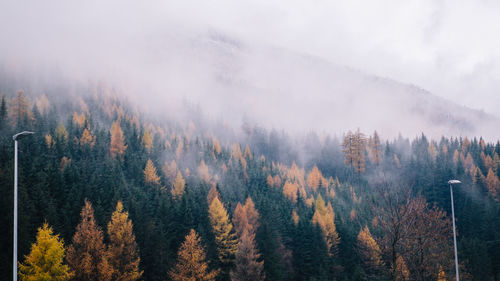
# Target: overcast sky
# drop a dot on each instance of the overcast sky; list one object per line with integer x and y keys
{"x": 450, "y": 48}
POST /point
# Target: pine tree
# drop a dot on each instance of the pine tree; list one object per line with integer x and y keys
{"x": 45, "y": 261}
{"x": 122, "y": 251}
{"x": 370, "y": 253}
{"x": 178, "y": 188}
{"x": 87, "y": 254}
{"x": 150, "y": 174}
{"x": 191, "y": 261}
{"x": 223, "y": 230}
{"x": 117, "y": 146}
{"x": 247, "y": 264}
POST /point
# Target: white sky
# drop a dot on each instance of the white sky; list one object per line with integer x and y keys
{"x": 451, "y": 48}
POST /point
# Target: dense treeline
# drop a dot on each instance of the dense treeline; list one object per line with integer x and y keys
{"x": 194, "y": 202}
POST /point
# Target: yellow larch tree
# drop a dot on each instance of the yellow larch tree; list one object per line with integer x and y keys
{"x": 493, "y": 184}
{"x": 79, "y": 119}
{"x": 191, "y": 261}
{"x": 212, "y": 194}
{"x": 290, "y": 191}
{"x": 45, "y": 261}
{"x": 246, "y": 217}
{"x": 441, "y": 274}
{"x": 270, "y": 181}
{"x": 150, "y": 174}
{"x": 170, "y": 170}
{"x": 122, "y": 252}
{"x": 147, "y": 141}
{"x": 325, "y": 218}
{"x": 87, "y": 138}
{"x": 314, "y": 178}
{"x": 203, "y": 172}
{"x": 402, "y": 272}
{"x": 225, "y": 238}
{"x": 117, "y": 146}
{"x": 178, "y": 187}
{"x": 19, "y": 109}
{"x": 370, "y": 252}
{"x": 432, "y": 150}
{"x": 375, "y": 148}
{"x": 61, "y": 134}
{"x": 43, "y": 104}
{"x": 87, "y": 254}
{"x": 354, "y": 150}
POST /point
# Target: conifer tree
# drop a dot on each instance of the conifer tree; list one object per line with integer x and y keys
{"x": 19, "y": 109}
{"x": 441, "y": 274}
{"x": 325, "y": 218}
{"x": 147, "y": 141}
{"x": 178, "y": 188}
{"x": 203, "y": 172}
{"x": 61, "y": 133}
{"x": 87, "y": 254}
{"x": 246, "y": 217}
{"x": 3, "y": 112}
{"x": 375, "y": 148}
{"x": 43, "y": 104}
{"x": 150, "y": 174}
{"x": 223, "y": 230}
{"x": 354, "y": 150}
{"x": 247, "y": 264}
{"x": 87, "y": 138}
{"x": 290, "y": 191}
{"x": 493, "y": 184}
{"x": 370, "y": 252}
{"x": 191, "y": 261}
{"x": 122, "y": 250}
{"x": 314, "y": 178}
{"x": 117, "y": 146}
{"x": 45, "y": 261}
{"x": 212, "y": 194}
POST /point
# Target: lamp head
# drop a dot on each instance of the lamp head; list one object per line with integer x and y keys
{"x": 21, "y": 135}
{"x": 454, "y": 181}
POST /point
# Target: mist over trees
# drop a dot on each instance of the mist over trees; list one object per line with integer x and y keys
{"x": 124, "y": 196}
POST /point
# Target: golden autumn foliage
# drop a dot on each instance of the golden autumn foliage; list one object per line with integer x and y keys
{"x": 45, "y": 261}
{"x": 247, "y": 264}
{"x": 43, "y": 104}
{"x": 295, "y": 218}
{"x": 19, "y": 109}
{"x": 122, "y": 251}
{"x": 49, "y": 141}
{"x": 248, "y": 153}
{"x": 87, "y": 138}
{"x": 246, "y": 217}
{"x": 314, "y": 178}
{"x": 203, "y": 172}
{"x": 178, "y": 187}
{"x": 402, "y": 272}
{"x": 370, "y": 252}
{"x": 191, "y": 261}
{"x": 150, "y": 174}
{"x": 270, "y": 181}
{"x": 374, "y": 148}
{"x": 325, "y": 218}
{"x": 87, "y": 254}
{"x": 65, "y": 162}
{"x": 170, "y": 170}
{"x": 225, "y": 239}
{"x": 493, "y": 184}
{"x": 216, "y": 147}
{"x": 79, "y": 119}
{"x": 61, "y": 133}
{"x": 290, "y": 191}
{"x": 441, "y": 275}
{"x": 212, "y": 194}
{"x": 354, "y": 150}
{"x": 117, "y": 146}
{"x": 147, "y": 141}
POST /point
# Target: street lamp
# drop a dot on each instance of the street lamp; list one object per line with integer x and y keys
{"x": 451, "y": 183}
{"x": 16, "y": 137}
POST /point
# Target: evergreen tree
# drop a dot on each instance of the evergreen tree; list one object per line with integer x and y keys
{"x": 370, "y": 254}
{"x": 122, "y": 251}
{"x": 191, "y": 261}
{"x": 87, "y": 254}
{"x": 45, "y": 261}
{"x": 3, "y": 112}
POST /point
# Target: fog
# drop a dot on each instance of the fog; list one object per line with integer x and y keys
{"x": 297, "y": 65}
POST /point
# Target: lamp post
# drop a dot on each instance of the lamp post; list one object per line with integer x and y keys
{"x": 451, "y": 183}
{"x": 16, "y": 137}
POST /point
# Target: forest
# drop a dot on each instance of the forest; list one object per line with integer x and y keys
{"x": 108, "y": 192}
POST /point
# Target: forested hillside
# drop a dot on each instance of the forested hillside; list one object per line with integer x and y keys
{"x": 134, "y": 197}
